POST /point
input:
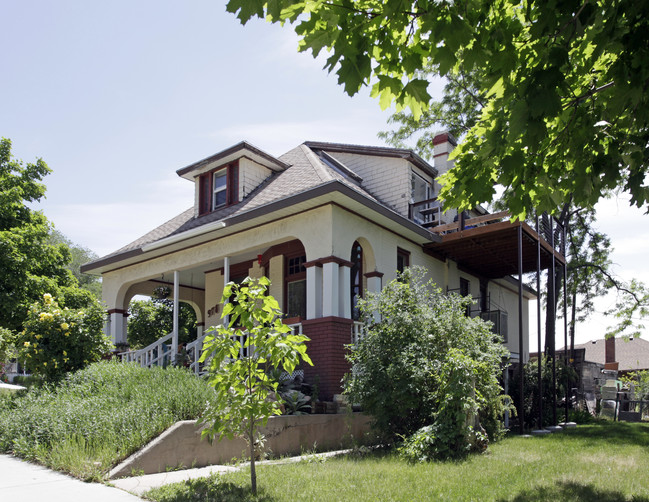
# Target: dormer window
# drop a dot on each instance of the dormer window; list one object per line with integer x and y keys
{"x": 218, "y": 188}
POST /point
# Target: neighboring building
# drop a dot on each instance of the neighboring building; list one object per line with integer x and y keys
{"x": 620, "y": 354}
{"x": 327, "y": 223}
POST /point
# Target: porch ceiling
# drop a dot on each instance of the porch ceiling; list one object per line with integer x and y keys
{"x": 491, "y": 251}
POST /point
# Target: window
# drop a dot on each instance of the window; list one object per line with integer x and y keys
{"x": 218, "y": 188}
{"x": 420, "y": 190}
{"x": 295, "y": 286}
{"x": 403, "y": 260}
{"x": 465, "y": 290}
{"x": 356, "y": 281}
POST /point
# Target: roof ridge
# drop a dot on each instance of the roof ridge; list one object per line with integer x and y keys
{"x": 318, "y": 166}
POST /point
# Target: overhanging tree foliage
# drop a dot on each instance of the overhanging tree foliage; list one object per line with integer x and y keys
{"x": 566, "y": 111}
{"x": 588, "y": 251}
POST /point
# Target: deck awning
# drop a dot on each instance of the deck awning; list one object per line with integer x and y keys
{"x": 491, "y": 250}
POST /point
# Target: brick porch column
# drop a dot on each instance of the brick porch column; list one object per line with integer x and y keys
{"x": 328, "y": 335}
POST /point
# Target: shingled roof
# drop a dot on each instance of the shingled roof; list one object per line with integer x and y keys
{"x": 632, "y": 354}
{"x": 306, "y": 171}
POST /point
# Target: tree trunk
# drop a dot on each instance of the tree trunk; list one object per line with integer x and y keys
{"x": 253, "y": 473}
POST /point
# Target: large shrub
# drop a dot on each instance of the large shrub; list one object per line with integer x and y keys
{"x": 425, "y": 364}
{"x": 56, "y": 340}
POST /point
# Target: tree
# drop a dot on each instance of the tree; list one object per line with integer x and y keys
{"x": 150, "y": 319}
{"x": 565, "y": 112}
{"x": 78, "y": 256}
{"x": 242, "y": 383}
{"x": 425, "y": 366}
{"x": 588, "y": 250}
{"x": 30, "y": 265}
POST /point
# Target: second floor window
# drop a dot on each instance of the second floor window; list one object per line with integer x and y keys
{"x": 218, "y": 188}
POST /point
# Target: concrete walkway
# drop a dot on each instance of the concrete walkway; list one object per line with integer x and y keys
{"x": 141, "y": 484}
{"x": 20, "y": 480}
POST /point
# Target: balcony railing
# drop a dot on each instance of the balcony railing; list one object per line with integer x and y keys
{"x": 427, "y": 213}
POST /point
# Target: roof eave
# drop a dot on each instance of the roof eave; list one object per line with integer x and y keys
{"x": 242, "y": 149}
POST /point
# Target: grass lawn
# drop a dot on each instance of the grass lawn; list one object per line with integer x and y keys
{"x": 599, "y": 462}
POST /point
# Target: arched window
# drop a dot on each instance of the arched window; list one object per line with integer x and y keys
{"x": 356, "y": 278}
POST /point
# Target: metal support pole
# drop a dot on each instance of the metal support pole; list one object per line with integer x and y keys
{"x": 565, "y": 322}
{"x": 538, "y": 322}
{"x": 521, "y": 408}
{"x": 553, "y": 313}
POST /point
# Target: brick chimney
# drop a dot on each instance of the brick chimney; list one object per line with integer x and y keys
{"x": 609, "y": 351}
{"x": 443, "y": 144}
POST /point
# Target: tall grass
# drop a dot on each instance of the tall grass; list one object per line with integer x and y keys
{"x": 99, "y": 415}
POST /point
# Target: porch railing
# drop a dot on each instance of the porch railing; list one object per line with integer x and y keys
{"x": 194, "y": 353}
{"x": 156, "y": 354}
{"x": 357, "y": 332}
{"x": 159, "y": 352}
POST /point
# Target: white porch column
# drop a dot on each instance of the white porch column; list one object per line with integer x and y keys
{"x": 313, "y": 290}
{"x": 200, "y": 329}
{"x": 330, "y": 289}
{"x": 174, "y": 338}
{"x": 116, "y": 325}
{"x": 345, "y": 291}
{"x": 374, "y": 280}
{"x": 226, "y": 279}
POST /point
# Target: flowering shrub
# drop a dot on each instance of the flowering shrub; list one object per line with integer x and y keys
{"x": 56, "y": 340}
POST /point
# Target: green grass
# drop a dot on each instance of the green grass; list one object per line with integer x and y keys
{"x": 600, "y": 462}
{"x": 98, "y": 416}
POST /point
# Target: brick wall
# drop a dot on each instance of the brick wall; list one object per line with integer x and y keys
{"x": 328, "y": 335}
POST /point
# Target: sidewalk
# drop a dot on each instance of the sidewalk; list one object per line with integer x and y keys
{"x": 20, "y": 480}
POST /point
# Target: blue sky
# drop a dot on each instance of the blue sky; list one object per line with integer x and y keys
{"x": 115, "y": 96}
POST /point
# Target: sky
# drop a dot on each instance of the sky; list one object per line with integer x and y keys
{"x": 116, "y": 96}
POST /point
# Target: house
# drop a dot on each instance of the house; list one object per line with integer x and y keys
{"x": 327, "y": 223}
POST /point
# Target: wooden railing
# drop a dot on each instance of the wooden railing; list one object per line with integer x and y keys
{"x": 156, "y": 354}
{"x": 468, "y": 223}
{"x": 357, "y": 332}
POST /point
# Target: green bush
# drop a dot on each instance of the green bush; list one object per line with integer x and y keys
{"x": 104, "y": 413}
{"x": 56, "y": 339}
{"x": 425, "y": 364}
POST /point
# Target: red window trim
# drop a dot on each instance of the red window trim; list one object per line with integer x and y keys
{"x": 205, "y": 188}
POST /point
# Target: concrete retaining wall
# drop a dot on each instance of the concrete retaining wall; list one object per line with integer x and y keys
{"x": 181, "y": 444}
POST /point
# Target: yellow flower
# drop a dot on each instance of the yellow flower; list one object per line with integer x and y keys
{"x": 38, "y": 337}
{"x": 26, "y": 344}
{"x": 44, "y": 363}
{"x": 48, "y": 298}
{"x": 64, "y": 326}
{"x": 65, "y": 353}
{"x": 67, "y": 334}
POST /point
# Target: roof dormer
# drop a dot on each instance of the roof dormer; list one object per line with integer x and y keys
{"x": 227, "y": 177}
